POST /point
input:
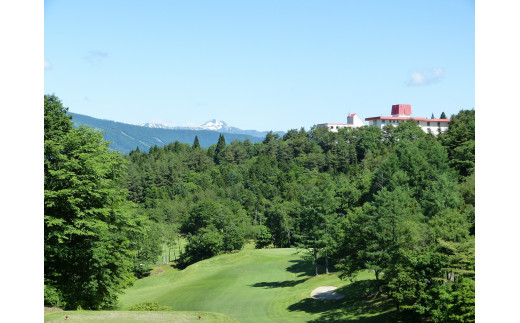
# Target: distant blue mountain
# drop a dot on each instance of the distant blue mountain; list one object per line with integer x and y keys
{"x": 126, "y": 137}
{"x": 217, "y": 125}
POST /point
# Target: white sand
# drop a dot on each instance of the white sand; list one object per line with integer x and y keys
{"x": 326, "y": 292}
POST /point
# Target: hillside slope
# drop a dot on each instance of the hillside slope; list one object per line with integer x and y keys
{"x": 126, "y": 137}
{"x": 267, "y": 285}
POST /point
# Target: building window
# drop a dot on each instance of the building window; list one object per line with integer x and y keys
{"x": 428, "y": 123}
{"x": 383, "y": 121}
{"x": 438, "y": 124}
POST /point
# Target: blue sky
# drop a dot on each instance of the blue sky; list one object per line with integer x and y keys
{"x": 264, "y": 65}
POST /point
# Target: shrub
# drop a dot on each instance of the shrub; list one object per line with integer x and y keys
{"x": 52, "y": 297}
{"x": 141, "y": 270}
{"x": 204, "y": 245}
{"x": 233, "y": 238}
{"x": 263, "y": 237}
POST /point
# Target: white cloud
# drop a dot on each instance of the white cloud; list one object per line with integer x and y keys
{"x": 425, "y": 76}
{"x": 46, "y": 64}
{"x": 96, "y": 56}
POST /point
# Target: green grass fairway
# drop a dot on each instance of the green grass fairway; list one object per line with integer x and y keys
{"x": 127, "y": 316}
{"x": 267, "y": 285}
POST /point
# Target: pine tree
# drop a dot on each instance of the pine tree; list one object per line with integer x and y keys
{"x": 219, "y": 150}
{"x": 443, "y": 115}
{"x": 196, "y": 144}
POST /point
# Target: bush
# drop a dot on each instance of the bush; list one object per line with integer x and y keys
{"x": 149, "y": 306}
{"x": 233, "y": 238}
{"x": 141, "y": 270}
{"x": 263, "y": 237}
{"x": 52, "y": 297}
{"x": 208, "y": 242}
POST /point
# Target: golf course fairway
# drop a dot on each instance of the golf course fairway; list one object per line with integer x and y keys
{"x": 258, "y": 285}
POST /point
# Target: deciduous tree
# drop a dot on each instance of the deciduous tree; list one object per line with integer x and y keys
{"x": 86, "y": 216}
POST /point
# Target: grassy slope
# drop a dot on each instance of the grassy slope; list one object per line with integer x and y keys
{"x": 269, "y": 285}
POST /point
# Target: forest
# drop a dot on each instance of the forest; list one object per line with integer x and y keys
{"x": 395, "y": 201}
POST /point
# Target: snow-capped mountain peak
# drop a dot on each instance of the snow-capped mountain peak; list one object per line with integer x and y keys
{"x": 214, "y": 125}
{"x": 155, "y": 125}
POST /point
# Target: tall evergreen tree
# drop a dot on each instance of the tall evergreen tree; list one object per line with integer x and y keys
{"x": 318, "y": 205}
{"x": 196, "y": 144}
{"x": 219, "y": 150}
{"x": 443, "y": 115}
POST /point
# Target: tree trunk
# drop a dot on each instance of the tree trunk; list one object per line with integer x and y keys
{"x": 164, "y": 257}
{"x": 326, "y": 261}
{"x": 316, "y": 259}
{"x": 179, "y": 243}
{"x": 380, "y": 284}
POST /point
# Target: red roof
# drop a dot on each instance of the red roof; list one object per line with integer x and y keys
{"x": 401, "y": 109}
{"x": 351, "y": 115}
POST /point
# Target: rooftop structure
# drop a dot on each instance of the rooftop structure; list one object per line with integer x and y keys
{"x": 402, "y": 113}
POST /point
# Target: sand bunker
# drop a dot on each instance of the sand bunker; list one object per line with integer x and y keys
{"x": 326, "y": 293}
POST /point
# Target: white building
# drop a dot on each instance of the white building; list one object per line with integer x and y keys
{"x": 402, "y": 113}
{"x": 353, "y": 121}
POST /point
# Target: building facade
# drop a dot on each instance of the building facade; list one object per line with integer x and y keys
{"x": 402, "y": 113}
{"x": 353, "y": 121}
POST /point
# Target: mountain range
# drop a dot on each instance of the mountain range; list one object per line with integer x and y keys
{"x": 215, "y": 125}
{"x": 125, "y": 137}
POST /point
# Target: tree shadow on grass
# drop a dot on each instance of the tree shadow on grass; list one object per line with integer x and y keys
{"x": 306, "y": 268}
{"x": 359, "y": 305}
{"x": 287, "y": 283}
{"x": 302, "y": 268}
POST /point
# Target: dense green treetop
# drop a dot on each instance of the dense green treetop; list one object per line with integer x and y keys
{"x": 86, "y": 216}
{"x": 460, "y": 142}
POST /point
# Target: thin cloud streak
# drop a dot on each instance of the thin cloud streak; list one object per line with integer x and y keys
{"x": 96, "y": 56}
{"x": 426, "y": 76}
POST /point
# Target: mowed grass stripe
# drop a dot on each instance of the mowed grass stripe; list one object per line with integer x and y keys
{"x": 229, "y": 285}
{"x": 268, "y": 285}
